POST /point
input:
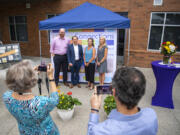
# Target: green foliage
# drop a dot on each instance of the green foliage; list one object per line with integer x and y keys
{"x": 67, "y": 102}
{"x": 109, "y": 104}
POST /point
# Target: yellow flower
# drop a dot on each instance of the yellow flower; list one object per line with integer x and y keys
{"x": 105, "y": 107}
{"x": 167, "y": 48}
{"x": 60, "y": 102}
{"x": 168, "y": 42}
{"x": 62, "y": 97}
{"x": 59, "y": 91}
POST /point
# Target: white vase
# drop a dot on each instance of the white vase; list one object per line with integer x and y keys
{"x": 65, "y": 115}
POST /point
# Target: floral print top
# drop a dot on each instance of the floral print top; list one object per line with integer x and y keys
{"x": 33, "y": 115}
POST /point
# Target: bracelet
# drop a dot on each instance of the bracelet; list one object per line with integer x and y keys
{"x": 96, "y": 110}
{"x": 51, "y": 80}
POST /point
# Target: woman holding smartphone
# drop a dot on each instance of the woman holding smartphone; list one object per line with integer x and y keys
{"x": 31, "y": 112}
{"x": 89, "y": 60}
{"x": 101, "y": 59}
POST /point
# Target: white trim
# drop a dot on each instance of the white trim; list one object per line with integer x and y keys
{"x": 149, "y": 32}
{"x": 128, "y": 46}
{"x": 153, "y": 50}
{"x": 162, "y": 35}
{"x": 161, "y": 25}
{"x": 40, "y": 46}
{"x": 125, "y": 42}
{"x": 169, "y": 25}
{"x": 166, "y": 12}
{"x": 155, "y": 3}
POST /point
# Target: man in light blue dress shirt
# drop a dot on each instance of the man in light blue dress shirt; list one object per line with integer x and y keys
{"x": 127, "y": 119}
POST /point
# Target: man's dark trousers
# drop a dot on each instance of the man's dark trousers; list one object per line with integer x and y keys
{"x": 75, "y": 72}
{"x": 60, "y": 61}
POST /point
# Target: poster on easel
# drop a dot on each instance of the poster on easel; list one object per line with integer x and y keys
{"x": 83, "y": 35}
{"x": 9, "y": 53}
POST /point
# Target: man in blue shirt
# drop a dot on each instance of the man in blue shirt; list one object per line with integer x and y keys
{"x": 127, "y": 119}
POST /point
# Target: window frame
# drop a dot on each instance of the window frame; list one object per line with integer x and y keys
{"x": 157, "y": 4}
{"x": 48, "y": 31}
{"x": 15, "y": 29}
{"x": 163, "y": 25}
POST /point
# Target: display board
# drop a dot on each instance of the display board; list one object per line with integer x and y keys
{"x": 9, "y": 53}
{"x": 83, "y": 35}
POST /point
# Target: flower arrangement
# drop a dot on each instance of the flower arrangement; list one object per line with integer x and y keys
{"x": 167, "y": 49}
{"x": 109, "y": 104}
{"x": 67, "y": 102}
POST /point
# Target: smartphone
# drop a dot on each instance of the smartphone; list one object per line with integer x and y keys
{"x": 42, "y": 68}
{"x": 104, "y": 89}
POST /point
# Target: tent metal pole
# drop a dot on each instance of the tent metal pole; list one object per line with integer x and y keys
{"x": 128, "y": 46}
{"x": 40, "y": 45}
{"x": 125, "y": 44}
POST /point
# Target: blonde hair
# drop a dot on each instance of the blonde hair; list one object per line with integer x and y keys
{"x": 104, "y": 40}
{"x": 21, "y": 76}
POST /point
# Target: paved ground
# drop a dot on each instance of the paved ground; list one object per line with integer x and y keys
{"x": 169, "y": 120}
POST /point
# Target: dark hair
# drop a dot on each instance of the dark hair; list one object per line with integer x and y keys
{"x": 130, "y": 84}
{"x": 74, "y": 37}
{"x": 92, "y": 41}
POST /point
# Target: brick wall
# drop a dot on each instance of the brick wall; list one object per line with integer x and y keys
{"x": 138, "y": 11}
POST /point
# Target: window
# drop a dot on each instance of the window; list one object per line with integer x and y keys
{"x": 18, "y": 28}
{"x": 164, "y": 27}
{"x": 121, "y": 37}
{"x": 158, "y": 2}
{"x": 50, "y": 16}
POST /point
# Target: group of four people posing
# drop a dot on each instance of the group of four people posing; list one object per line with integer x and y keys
{"x": 71, "y": 55}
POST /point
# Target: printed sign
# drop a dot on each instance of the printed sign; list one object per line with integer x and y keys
{"x": 9, "y": 53}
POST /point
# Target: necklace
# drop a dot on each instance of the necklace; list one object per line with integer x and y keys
{"x": 89, "y": 48}
{"x": 28, "y": 93}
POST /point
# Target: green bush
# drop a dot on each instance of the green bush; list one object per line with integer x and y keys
{"x": 109, "y": 104}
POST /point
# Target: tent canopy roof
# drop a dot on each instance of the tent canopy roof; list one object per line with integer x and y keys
{"x": 86, "y": 16}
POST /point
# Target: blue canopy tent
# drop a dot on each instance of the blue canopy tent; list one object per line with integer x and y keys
{"x": 86, "y": 16}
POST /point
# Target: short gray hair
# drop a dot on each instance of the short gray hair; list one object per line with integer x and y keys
{"x": 62, "y": 29}
{"x": 21, "y": 76}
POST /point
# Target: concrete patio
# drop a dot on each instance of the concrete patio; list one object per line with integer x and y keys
{"x": 168, "y": 119}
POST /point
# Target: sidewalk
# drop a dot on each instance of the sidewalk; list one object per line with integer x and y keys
{"x": 169, "y": 120}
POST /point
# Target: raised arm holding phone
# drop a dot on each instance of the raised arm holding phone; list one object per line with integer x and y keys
{"x": 128, "y": 87}
{"x": 31, "y": 112}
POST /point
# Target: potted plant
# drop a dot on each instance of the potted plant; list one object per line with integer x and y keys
{"x": 109, "y": 104}
{"x": 66, "y": 105}
{"x": 167, "y": 49}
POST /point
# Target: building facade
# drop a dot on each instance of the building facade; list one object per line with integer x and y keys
{"x": 151, "y": 24}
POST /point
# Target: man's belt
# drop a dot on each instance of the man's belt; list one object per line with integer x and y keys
{"x": 60, "y": 55}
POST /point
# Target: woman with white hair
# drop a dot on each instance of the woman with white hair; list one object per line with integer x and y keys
{"x": 31, "y": 112}
{"x": 101, "y": 59}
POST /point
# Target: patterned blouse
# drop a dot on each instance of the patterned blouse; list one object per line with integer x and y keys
{"x": 33, "y": 115}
